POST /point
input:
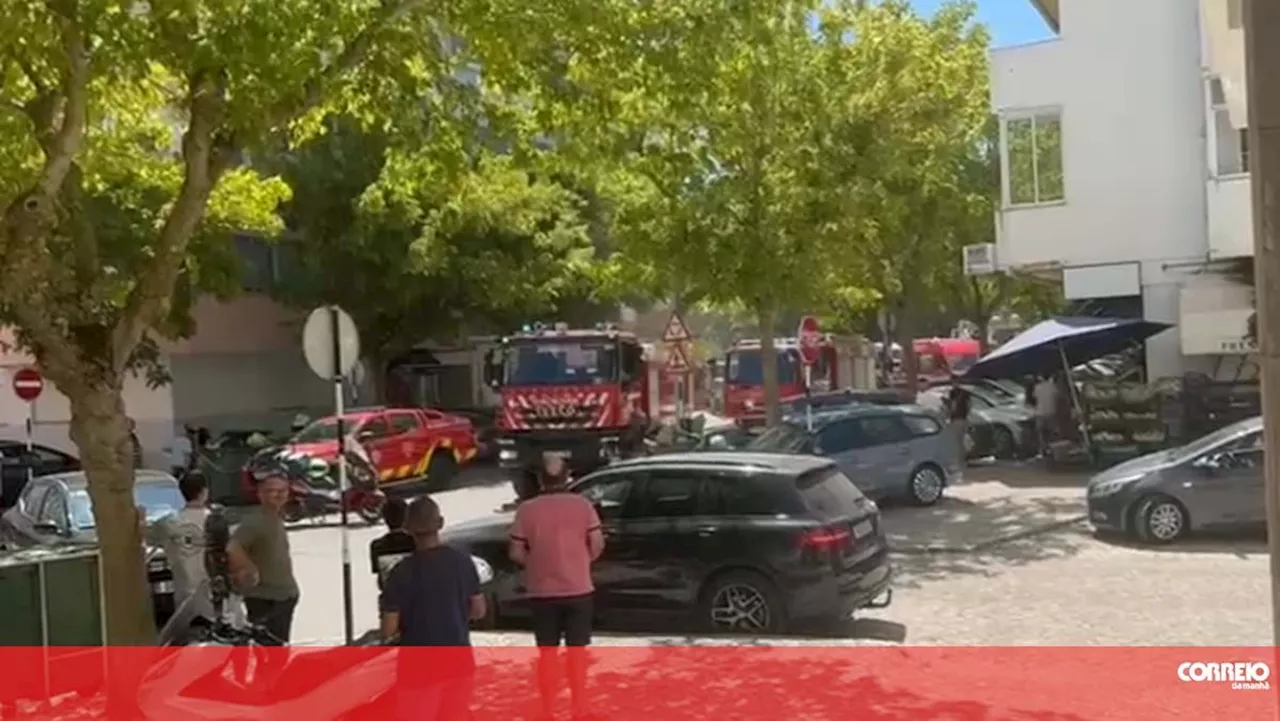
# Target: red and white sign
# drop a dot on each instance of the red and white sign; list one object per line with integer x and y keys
{"x": 676, "y": 331}
{"x": 28, "y": 384}
{"x": 810, "y": 339}
{"x": 677, "y": 360}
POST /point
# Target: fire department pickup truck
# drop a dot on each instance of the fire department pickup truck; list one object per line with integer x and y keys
{"x": 416, "y": 450}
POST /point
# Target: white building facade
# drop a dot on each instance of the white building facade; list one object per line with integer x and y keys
{"x": 1125, "y": 167}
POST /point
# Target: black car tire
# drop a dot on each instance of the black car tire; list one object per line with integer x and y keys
{"x": 1159, "y": 520}
{"x": 1003, "y": 445}
{"x": 441, "y": 471}
{"x": 921, "y": 483}
{"x": 743, "y": 589}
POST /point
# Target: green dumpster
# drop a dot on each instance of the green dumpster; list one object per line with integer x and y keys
{"x": 52, "y": 598}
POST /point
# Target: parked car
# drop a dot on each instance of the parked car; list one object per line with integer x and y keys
{"x": 56, "y": 510}
{"x": 999, "y": 425}
{"x": 842, "y": 398}
{"x": 17, "y": 464}
{"x": 1214, "y": 482}
{"x": 734, "y": 542}
{"x": 890, "y": 452}
{"x": 414, "y": 449}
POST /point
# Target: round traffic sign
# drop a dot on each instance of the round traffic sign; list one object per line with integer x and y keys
{"x": 810, "y": 340}
{"x": 330, "y": 342}
{"x": 28, "y": 384}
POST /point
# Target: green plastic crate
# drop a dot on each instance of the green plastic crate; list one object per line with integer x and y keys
{"x": 51, "y": 597}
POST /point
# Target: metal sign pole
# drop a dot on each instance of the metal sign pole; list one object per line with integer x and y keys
{"x": 808, "y": 394}
{"x": 348, "y": 616}
{"x": 31, "y": 449}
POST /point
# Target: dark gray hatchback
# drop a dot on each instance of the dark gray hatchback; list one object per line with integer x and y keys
{"x": 734, "y": 542}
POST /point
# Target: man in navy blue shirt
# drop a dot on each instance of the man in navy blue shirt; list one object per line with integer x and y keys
{"x": 429, "y": 600}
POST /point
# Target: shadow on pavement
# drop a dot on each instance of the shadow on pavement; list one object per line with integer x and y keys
{"x": 915, "y": 570}
{"x": 958, "y": 523}
{"x": 1026, "y": 474}
{"x": 780, "y": 683}
{"x": 1242, "y": 544}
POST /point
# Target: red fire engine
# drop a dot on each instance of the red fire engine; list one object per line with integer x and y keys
{"x": 583, "y": 394}
{"x": 744, "y": 374}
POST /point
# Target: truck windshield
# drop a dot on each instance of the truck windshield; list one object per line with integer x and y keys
{"x": 744, "y": 367}
{"x": 562, "y": 363}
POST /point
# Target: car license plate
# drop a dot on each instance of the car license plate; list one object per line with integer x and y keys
{"x": 862, "y": 529}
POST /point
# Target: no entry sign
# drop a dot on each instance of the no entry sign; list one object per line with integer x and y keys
{"x": 28, "y": 384}
{"x": 810, "y": 340}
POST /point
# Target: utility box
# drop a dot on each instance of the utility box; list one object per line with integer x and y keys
{"x": 52, "y": 598}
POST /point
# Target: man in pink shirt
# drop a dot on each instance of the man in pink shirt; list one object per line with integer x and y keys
{"x": 556, "y": 536}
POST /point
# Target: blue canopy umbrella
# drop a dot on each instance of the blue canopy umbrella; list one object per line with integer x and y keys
{"x": 1060, "y": 344}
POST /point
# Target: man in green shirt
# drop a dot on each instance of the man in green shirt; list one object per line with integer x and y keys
{"x": 261, "y": 563}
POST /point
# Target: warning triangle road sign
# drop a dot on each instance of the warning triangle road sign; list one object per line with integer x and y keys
{"x": 677, "y": 331}
{"x": 676, "y": 360}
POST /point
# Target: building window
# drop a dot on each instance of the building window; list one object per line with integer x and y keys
{"x": 1033, "y": 153}
{"x": 1235, "y": 14}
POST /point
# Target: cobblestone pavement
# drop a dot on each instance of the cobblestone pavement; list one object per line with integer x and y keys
{"x": 959, "y": 581}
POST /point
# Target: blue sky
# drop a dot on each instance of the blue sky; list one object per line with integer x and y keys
{"x": 1012, "y": 22}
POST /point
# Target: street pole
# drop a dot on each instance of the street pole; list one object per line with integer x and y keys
{"x": 1262, "y": 62}
{"x": 348, "y": 616}
{"x": 808, "y": 395}
{"x": 31, "y": 448}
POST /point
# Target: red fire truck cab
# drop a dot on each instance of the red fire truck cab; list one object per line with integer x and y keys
{"x": 583, "y": 394}
{"x": 940, "y": 358}
{"x": 744, "y": 375}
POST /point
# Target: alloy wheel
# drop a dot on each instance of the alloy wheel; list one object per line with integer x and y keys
{"x": 1165, "y": 521}
{"x": 926, "y": 485}
{"x": 741, "y": 608}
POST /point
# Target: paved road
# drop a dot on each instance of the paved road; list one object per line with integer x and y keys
{"x": 959, "y": 582}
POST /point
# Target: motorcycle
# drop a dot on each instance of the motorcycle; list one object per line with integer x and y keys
{"x": 313, "y": 485}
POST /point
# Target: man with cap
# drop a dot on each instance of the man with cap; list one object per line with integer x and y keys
{"x": 429, "y": 599}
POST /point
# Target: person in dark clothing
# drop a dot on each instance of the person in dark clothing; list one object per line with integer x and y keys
{"x": 429, "y": 600}
{"x": 393, "y": 546}
{"x": 959, "y": 404}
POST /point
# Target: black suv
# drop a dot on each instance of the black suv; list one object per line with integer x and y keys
{"x": 734, "y": 542}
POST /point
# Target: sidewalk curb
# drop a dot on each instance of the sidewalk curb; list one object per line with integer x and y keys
{"x": 941, "y": 548}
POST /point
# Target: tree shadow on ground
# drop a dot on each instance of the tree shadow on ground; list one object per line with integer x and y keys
{"x": 917, "y": 569}
{"x": 757, "y": 683}
{"x": 1027, "y": 474}
{"x": 958, "y": 523}
{"x": 1242, "y": 544}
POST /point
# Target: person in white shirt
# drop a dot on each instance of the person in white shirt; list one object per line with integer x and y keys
{"x": 182, "y": 536}
{"x": 1046, "y": 398}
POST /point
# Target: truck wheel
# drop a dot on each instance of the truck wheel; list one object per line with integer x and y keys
{"x": 441, "y": 471}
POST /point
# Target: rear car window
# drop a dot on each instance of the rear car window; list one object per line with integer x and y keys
{"x": 921, "y": 425}
{"x": 736, "y": 495}
{"x": 830, "y": 494}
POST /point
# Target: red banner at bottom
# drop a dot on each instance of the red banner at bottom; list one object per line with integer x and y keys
{"x": 641, "y": 683}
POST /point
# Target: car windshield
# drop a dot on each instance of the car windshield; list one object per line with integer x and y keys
{"x": 157, "y": 498}
{"x": 1207, "y": 443}
{"x": 562, "y": 363}
{"x": 782, "y": 438}
{"x": 745, "y": 368}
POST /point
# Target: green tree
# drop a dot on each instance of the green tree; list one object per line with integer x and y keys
{"x": 725, "y": 197}
{"x": 927, "y": 110}
{"x": 106, "y": 217}
{"x": 416, "y": 248}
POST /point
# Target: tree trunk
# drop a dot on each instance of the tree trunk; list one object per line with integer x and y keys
{"x": 769, "y": 365}
{"x": 100, "y": 429}
{"x": 905, "y": 330}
